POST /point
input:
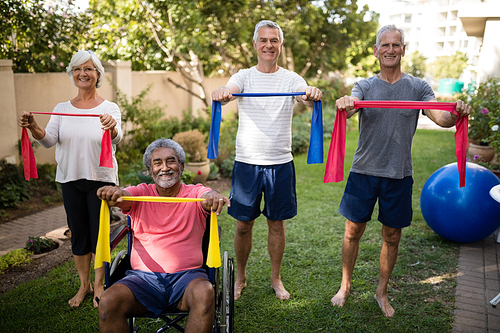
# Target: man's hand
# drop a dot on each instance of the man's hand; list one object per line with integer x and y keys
{"x": 346, "y": 103}
{"x": 463, "y": 109}
{"x": 113, "y": 195}
{"x": 312, "y": 94}
{"x": 225, "y": 94}
{"x": 215, "y": 200}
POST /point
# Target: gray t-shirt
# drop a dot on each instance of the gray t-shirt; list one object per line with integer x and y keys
{"x": 386, "y": 135}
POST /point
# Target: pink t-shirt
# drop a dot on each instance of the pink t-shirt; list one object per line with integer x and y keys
{"x": 167, "y": 236}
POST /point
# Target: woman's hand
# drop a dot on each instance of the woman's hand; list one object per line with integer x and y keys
{"x": 25, "y": 119}
{"x": 107, "y": 121}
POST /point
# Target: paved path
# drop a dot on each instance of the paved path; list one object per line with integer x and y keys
{"x": 14, "y": 234}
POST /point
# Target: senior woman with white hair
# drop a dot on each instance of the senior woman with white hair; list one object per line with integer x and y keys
{"x": 78, "y": 146}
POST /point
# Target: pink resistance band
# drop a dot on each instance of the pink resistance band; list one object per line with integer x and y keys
{"x": 29, "y": 162}
{"x": 334, "y": 171}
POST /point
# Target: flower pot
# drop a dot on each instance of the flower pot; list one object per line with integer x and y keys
{"x": 486, "y": 152}
{"x": 201, "y": 170}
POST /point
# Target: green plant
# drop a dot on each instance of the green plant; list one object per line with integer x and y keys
{"x": 14, "y": 188}
{"x": 478, "y": 159}
{"x": 226, "y": 167}
{"x": 214, "y": 172}
{"x": 14, "y": 258}
{"x": 193, "y": 143}
{"x": 187, "y": 177}
{"x": 39, "y": 245}
{"x": 485, "y": 104}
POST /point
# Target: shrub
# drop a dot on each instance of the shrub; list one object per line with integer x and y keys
{"x": 14, "y": 188}
{"x": 193, "y": 143}
{"x": 14, "y": 258}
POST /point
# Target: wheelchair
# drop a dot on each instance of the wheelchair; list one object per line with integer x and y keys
{"x": 222, "y": 279}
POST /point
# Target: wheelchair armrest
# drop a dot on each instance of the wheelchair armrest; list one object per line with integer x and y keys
{"x": 117, "y": 235}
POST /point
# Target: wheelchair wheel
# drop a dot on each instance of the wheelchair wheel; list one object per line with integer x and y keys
{"x": 122, "y": 254}
{"x": 227, "y": 311}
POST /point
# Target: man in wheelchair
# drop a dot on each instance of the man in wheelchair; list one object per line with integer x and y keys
{"x": 166, "y": 256}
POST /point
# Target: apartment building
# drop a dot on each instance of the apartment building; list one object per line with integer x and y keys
{"x": 435, "y": 28}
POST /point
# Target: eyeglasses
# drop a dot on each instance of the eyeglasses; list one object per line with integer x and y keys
{"x": 86, "y": 70}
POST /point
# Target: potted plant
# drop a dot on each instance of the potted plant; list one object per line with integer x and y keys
{"x": 485, "y": 104}
{"x": 193, "y": 143}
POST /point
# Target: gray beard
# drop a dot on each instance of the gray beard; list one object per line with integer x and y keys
{"x": 167, "y": 183}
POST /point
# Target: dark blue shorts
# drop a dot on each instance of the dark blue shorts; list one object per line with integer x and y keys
{"x": 394, "y": 200}
{"x": 158, "y": 291}
{"x": 277, "y": 182}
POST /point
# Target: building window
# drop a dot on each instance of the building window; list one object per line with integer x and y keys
{"x": 407, "y": 18}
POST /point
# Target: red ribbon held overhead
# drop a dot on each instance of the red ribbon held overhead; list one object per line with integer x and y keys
{"x": 335, "y": 163}
{"x": 106, "y": 159}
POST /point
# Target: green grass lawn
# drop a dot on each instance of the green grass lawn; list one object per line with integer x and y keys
{"x": 422, "y": 288}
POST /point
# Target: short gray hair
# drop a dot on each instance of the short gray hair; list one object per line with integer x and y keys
{"x": 390, "y": 28}
{"x": 163, "y": 143}
{"x": 82, "y": 57}
{"x": 269, "y": 24}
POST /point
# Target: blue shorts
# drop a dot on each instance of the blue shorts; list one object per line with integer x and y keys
{"x": 394, "y": 200}
{"x": 277, "y": 182}
{"x": 158, "y": 291}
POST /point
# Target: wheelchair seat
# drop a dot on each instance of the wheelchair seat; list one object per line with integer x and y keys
{"x": 222, "y": 280}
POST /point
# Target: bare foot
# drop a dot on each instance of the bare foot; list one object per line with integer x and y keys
{"x": 383, "y": 303}
{"x": 280, "y": 290}
{"x": 238, "y": 287}
{"x": 80, "y": 296}
{"x": 340, "y": 298}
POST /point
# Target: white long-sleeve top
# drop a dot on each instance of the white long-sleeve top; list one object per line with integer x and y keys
{"x": 78, "y": 142}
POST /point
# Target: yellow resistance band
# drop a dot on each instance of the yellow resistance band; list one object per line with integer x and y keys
{"x": 103, "y": 251}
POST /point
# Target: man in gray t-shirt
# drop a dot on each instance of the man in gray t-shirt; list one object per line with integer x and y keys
{"x": 382, "y": 168}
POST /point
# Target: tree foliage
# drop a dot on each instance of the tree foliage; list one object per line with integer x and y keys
{"x": 40, "y": 36}
{"x": 198, "y": 38}
{"x": 414, "y": 64}
{"x": 195, "y": 38}
{"x": 449, "y": 66}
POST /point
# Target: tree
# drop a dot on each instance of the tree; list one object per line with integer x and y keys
{"x": 40, "y": 37}
{"x": 414, "y": 64}
{"x": 198, "y": 38}
{"x": 449, "y": 66}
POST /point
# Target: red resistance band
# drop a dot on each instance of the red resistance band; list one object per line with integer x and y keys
{"x": 106, "y": 159}
{"x": 334, "y": 171}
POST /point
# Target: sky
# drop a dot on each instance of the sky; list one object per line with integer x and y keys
{"x": 379, "y": 6}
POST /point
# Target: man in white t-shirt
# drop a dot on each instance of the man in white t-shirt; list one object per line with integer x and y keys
{"x": 264, "y": 161}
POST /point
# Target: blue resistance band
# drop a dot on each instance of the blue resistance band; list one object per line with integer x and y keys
{"x": 315, "y": 153}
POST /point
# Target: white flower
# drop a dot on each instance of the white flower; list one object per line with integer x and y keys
{"x": 494, "y": 128}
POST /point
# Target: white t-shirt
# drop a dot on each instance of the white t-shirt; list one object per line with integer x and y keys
{"x": 265, "y": 123}
{"x": 78, "y": 140}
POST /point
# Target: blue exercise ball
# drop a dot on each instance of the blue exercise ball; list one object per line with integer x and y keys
{"x": 461, "y": 214}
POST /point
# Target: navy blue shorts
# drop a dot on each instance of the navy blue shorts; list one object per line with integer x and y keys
{"x": 394, "y": 200}
{"x": 158, "y": 291}
{"x": 277, "y": 182}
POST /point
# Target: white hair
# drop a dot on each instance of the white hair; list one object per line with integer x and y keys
{"x": 82, "y": 57}
{"x": 390, "y": 28}
{"x": 269, "y": 24}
